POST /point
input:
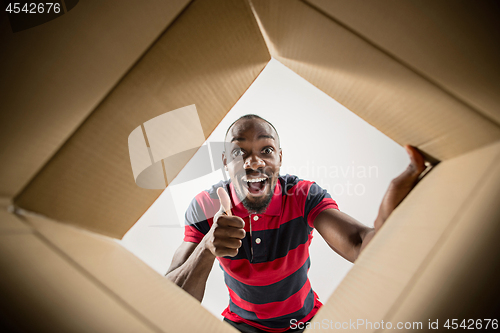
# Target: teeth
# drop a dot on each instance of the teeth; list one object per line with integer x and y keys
{"x": 256, "y": 180}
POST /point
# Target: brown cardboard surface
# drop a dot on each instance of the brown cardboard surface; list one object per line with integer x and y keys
{"x": 10, "y": 223}
{"x": 460, "y": 279}
{"x": 453, "y": 44}
{"x": 43, "y": 292}
{"x": 208, "y": 57}
{"x": 391, "y": 263}
{"x": 5, "y": 202}
{"x": 430, "y": 260}
{"x": 151, "y": 295}
{"x": 55, "y": 74}
{"x": 400, "y": 102}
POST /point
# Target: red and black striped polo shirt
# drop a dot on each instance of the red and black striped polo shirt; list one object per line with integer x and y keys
{"x": 267, "y": 280}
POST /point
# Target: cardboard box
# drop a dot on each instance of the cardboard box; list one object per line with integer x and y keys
{"x": 74, "y": 88}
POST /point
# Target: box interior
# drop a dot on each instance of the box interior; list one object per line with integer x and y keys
{"x": 74, "y": 88}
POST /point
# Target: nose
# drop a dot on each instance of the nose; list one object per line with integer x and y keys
{"x": 254, "y": 162}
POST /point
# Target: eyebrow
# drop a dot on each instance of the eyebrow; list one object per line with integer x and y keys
{"x": 263, "y": 136}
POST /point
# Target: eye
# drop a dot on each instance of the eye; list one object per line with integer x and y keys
{"x": 237, "y": 152}
{"x": 268, "y": 150}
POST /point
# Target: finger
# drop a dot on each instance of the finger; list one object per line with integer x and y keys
{"x": 238, "y": 233}
{"x": 225, "y": 202}
{"x": 231, "y": 243}
{"x": 417, "y": 161}
{"x": 230, "y": 232}
{"x": 231, "y": 221}
{"x": 227, "y": 252}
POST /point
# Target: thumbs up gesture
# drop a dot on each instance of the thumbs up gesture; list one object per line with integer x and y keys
{"x": 224, "y": 238}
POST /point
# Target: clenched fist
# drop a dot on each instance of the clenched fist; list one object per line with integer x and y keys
{"x": 224, "y": 238}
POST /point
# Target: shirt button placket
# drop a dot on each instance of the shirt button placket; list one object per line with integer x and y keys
{"x": 257, "y": 240}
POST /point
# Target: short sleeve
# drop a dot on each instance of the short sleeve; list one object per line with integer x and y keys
{"x": 317, "y": 201}
{"x": 195, "y": 222}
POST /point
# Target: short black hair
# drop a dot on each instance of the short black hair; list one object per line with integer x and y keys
{"x": 251, "y": 116}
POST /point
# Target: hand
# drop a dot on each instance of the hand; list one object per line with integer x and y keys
{"x": 224, "y": 238}
{"x": 401, "y": 185}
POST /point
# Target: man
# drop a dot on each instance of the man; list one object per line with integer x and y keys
{"x": 259, "y": 226}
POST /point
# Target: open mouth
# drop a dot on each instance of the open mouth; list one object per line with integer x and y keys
{"x": 255, "y": 186}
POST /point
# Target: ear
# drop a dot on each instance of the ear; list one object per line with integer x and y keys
{"x": 281, "y": 156}
{"x": 224, "y": 160}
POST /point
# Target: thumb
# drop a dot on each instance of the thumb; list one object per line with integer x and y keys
{"x": 417, "y": 161}
{"x": 225, "y": 202}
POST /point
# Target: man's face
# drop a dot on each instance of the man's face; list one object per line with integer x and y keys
{"x": 253, "y": 159}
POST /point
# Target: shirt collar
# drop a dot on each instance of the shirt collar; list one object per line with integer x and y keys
{"x": 274, "y": 208}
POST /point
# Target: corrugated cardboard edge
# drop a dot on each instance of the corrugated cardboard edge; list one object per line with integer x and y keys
{"x": 105, "y": 287}
{"x": 392, "y": 264}
{"x": 386, "y": 93}
{"x": 209, "y": 56}
{"x": 55, "y": 74}
{"x": 456, "y": 49}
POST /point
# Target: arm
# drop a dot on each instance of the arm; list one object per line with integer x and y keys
{"x": 190, "y": 268}
{"x": 347, "y": 236}
{"x": 193, "y": 262}
{"x": 344, "y": 234}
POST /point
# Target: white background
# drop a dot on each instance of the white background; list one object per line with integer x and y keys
{"x": 321, "y": 141}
